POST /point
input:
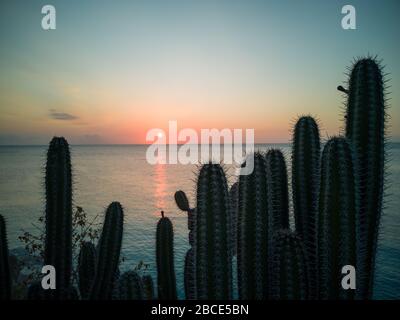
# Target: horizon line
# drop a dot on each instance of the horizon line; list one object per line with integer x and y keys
{"x": 149, "y": 144}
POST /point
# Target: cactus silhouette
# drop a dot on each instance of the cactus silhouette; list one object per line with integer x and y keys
{"x": 130, "y": 286}
{"x": 190, "y": 275}
{"x": 86, "y": 268}
{"x": 148, "y": 287}
{"x": 277, "y": 191}
{"x": 190, "y": 262}
{"x": 305, "y": 188}
{"x": 182, "y": 200}
{"x": 58, "y": 241}
{"x": 5, "y": 276}
{"x": 290, "y": 275}
{"x": 234, "y": 195}
{"x": 165, "y": 259}
{"x": 365, "y": 129}
{"x": 108, "y": 252}
{"x": 337, "y": 218}
{"x": 213, "y": 232}
{"x": 253, "y": 240}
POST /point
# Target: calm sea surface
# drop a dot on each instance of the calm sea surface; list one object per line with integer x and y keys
{"x": 103, "y": 174}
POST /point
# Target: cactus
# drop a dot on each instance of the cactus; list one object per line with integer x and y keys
{"x": 108, "y": 251}
{"x": 277, "y": 191}
{"x": 305, "y": 186}
{"x": 130, "y": 286}
{"x": 365, "y": 129}
{"x": 213, "y": 233}
{"x": 58, "y": 242}
{"x": 165, "y": 259}
{"x": 337, "y": 218}
{"x": 190, "y": 264}
{"x": 190, "y": 276}
{"x": 182, "y": 200}
{"x": 253, "y": 240}
{"x": 86, "y": 268}
{"x": 5, "y": 276}
{"x": 183, "y": 204}
{"x": 234, "y": 196}
{"x": 290, "y": 280}
{"x": 148, "y": 287}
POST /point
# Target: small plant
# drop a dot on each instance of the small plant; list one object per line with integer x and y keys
{"x": 84, "y": 230}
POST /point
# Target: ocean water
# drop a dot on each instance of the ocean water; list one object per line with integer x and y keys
{"x": 103, "y": 174}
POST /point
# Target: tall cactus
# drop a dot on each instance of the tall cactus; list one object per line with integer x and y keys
{"x": 109, "y": 248}
{"x": 86, "y": 268}
{"x": 365, "y": 129}
{"x": 337, "y": 218}
{"x": 253, "y": 240}
{"x": 277, "y": 191}
{"x": 5, "y": 276}
{"x": 58, "y": 242}
{"x": 213, "y": 235}
{"x": 165, "y": 259}
{"x": 130, "y": 286}
{"x": 305, "y": 186}
{"x": 290, "y": 280}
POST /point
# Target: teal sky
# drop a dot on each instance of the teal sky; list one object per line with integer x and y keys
{"x": 114, "y": 69}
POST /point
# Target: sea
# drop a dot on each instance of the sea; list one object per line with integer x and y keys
{"x": 106, "y": 173}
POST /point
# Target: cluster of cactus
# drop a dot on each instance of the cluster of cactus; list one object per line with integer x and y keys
{"x": 97, "y": 267}
{"x": 337, "y": 205}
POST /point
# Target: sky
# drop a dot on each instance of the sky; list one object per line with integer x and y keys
{"x": 112, "y": 70}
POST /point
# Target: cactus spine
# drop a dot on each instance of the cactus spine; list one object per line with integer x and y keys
{"x": 337, "y": 215}
{"x": 86, "y": 268}
{"x": 290, "y": 280}
{"x": 365, "y": 129}
{"x": 252, "y": 251}
{"x": 213, "y": 233}
{"x": 130, "y": 286}
{"x": 5, "y": 276}
{"x": 277, "y": 191}
{"x": 108, "y": 250}
{"x": 58, "y": 242}
{"x": 165, "y": 259}
{"x": 305, "y": 186}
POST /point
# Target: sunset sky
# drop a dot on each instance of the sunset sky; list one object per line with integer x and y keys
{"x": 112, "y": 70}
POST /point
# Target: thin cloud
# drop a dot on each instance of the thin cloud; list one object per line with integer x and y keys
{"x": 54, "y": 114}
